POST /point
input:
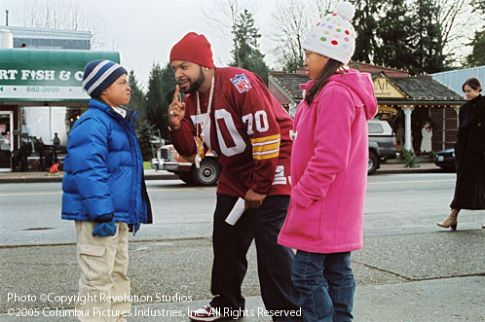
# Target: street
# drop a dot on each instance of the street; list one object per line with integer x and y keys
{"x": 409, "y": 269}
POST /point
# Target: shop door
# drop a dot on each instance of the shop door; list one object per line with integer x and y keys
{"x": 6, "y": 140}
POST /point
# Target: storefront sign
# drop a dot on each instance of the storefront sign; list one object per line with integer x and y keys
{"x": 41, "y": 93}
{"x": 383, "y": 88}
{"x": 45, "y": 75}
{"x": 24, "y": 75}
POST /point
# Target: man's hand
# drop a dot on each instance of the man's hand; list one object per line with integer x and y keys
{"x": 253, "y": 199}
{"x": 176, "y": 110}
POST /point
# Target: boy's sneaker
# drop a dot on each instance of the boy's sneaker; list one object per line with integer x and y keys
{"x": 209, "y": 313}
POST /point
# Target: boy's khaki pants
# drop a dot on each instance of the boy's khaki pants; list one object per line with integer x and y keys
{"x": 104, "y": 287}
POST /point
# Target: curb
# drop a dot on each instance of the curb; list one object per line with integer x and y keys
{"x": 59, "y": 179}
{"x": 45, "y": 179}
{"x": 408, "y": 170}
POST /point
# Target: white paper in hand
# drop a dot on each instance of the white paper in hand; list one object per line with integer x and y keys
{"x": 236, "y": 212}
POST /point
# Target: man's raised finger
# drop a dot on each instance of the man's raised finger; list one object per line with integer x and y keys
{"x": 176, "y": 94}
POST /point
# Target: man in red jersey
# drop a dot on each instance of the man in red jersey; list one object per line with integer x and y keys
{"x": 230, "y": 111}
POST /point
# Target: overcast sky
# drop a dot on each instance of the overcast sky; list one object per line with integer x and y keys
{"x": 143, "y": 31}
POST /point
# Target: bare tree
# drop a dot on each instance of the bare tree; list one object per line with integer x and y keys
{"x": 456, "y": 18}
{"x": 64, "y": 15}
{"x": 222, "y": 15}
{"x": 320, "y": 8}
{"x": 291, "y": 23}
{"x": 449, "y": 16}
{"x": 55, "y": 14}
{"x": 292, "y": 20}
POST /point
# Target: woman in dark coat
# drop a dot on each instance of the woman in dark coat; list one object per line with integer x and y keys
{"x": 469, "y": 155}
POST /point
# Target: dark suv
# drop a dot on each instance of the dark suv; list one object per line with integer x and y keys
{"x": 382, "y": 144}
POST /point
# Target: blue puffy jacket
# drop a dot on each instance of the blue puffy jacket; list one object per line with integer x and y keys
{"x": 103, "y": 169}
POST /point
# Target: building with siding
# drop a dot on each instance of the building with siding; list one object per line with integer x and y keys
{"x": 455, "y": 78}
{"x": 408, "y": 103}
{"x": 50, "y": 39}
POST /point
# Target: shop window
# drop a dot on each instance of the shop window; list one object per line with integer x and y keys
{"x": 43, "y": 122}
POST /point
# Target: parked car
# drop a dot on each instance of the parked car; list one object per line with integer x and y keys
{"x": 382, "y": 144}
{"x": 445, "y": 159}
{"x": 167, "y": 158}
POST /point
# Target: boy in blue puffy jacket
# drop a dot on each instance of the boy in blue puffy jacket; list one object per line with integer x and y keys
{"x": 104, "y": 192}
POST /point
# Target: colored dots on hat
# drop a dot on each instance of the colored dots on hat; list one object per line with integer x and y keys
{"x": 346, "y": 38}
{"x": 323, "y": 39}
{"x": 347, "y": 32}
{"x": 334, "y": 42}
{"x": 339, "y": 30}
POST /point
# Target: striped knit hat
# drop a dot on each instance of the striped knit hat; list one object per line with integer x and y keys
{"x": 99, "y": 75}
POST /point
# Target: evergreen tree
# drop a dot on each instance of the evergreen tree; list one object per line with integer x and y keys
{"x": 168, "y": 87}
{"x": 477, "y": 57}
{"x": 427, "y": 40}
{"x": 161, "y": 85}
{"x": 155, "y": 113}
{"x": 365, "y": 23}
{"x": 145, "y": 131}
{"x": 137, "y": 95}
{"x": 395, "y": 33}
{"x": 246, "y": 53}
{"x": 480, "y": 5}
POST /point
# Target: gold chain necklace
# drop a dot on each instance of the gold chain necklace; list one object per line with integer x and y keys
{"x": 199, "y": 139}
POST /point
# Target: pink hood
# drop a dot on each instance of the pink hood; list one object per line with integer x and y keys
{"x": 361, "y": 85}
{"x": 329, "y": 166}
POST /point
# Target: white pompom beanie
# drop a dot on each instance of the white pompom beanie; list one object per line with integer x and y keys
{"x": 334, "y": 36}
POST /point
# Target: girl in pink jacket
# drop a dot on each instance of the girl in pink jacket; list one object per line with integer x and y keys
{"x": 329, "y": 170}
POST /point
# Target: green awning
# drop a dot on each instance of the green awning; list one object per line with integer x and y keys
{"x": 45, "y": 75}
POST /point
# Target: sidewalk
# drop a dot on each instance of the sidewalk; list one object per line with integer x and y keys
{"x": 33, "y": 177}
{"x": 395, "y": 167}
{"x": 422, "y": 301}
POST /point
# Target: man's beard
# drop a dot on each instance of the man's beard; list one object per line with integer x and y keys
{"x": 194, "y": 87}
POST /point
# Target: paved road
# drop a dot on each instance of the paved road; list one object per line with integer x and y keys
{"x": 396, "y": 204}
{"x": 409, "y": 270}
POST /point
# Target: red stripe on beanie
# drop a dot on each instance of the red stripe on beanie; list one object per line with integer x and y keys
{"x": 194, "y": 48}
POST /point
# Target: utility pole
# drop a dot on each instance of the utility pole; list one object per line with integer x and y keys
{"x": 6, "y": 18}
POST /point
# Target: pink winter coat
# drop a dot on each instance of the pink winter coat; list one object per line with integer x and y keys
{"x": 329, "y": 167}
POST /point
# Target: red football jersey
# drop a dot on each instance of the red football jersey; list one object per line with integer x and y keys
{"x": 247, "y": 128}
